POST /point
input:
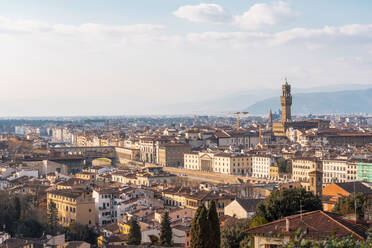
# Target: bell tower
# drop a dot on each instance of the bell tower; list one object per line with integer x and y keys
{"x": 286, "y": 102}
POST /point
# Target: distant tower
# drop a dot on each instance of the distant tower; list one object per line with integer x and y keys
{"x": 270, "y": 121}
{"x": 259, "y": 134}
{"x": 286, "y": 102}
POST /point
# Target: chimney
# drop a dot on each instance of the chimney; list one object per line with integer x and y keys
{"x": 287, "y": 224}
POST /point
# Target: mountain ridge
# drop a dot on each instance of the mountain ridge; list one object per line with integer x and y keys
{"x": 337, "y": 102}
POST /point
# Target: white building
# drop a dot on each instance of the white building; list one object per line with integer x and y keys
{"x": 261, "y": 166}
{"x": 335, "y": 171}
{"x": 111, "y": 204}
{"x": 224, "y": 163}
{"x": 302, "y": 166}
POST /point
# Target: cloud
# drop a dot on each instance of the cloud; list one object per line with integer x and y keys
{"x": 138, "y": 34}
{"x": 9, "y": 26}
{"x": 262, "y": 15}
{"x": 258, "y": 16}
{"x": 209, "y": 13}
{"x": 328, "y": 34}
{"x": 310, "y": 39}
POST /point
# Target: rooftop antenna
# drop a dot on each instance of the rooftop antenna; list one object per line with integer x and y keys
{"x": 355, "y": 204}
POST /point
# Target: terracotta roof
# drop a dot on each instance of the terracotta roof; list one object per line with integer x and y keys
{"x": 359, "y": 187}
{"x": 317, "y": 224}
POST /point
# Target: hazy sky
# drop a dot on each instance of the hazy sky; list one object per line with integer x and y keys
{"x": 70, "y": 57}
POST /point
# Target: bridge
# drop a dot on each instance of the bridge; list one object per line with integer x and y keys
{"x": 86, "y": 154}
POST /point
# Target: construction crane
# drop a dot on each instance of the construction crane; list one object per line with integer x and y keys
{"x": 237, "y": 118}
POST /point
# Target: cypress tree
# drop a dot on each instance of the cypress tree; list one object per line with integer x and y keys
{"x": 166, "y": 230}
{"x": 135, "y": 236}
{"x": 199, "y": 229}
{"x": 17, "y": 208}
{"x": 214, "y": 227}
{"x": 52, "y": 217}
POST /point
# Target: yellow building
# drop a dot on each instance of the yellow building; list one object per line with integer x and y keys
{"x": 86, "y": 176}
{"x": 274, "y": 172}
{"x": 124, "y": 227}
{"x": 73, "y": 206}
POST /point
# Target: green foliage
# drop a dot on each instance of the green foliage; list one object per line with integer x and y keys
{"x": 233, "y": 233}
{"x": 200, "y": 229}
{"x": 78, "y": 232}
{"x": 166, "y": 230}
{"x": 19, "y": 217}
{"x": 346, "y": 242}
{"x": 247, "y": 242}
{"x": 257, "y": 221}
{"x": 29, "y": 228}
{"x": 135, "y": 236}
{"x": 287, "y": 202}
{"x": 346, "y": 205}
{"x": 52, "y": 218}
{"x": 214, "y": 227}
{"x": 285, "y": 166}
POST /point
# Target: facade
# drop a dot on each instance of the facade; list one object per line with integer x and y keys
{"x": 225, "y": 163}
{"x": 73, "y": 206}
{"x": 261, "y": 166}
{"x": 106, "y": 205}
{"x": 274, "y": 172}
{"x": 301, "y": 168}
{"x": 335, "y": 171}
{"x": 172, "y": 155}
{"x": 147, "y": 150}
{"x": 364, "y": 171}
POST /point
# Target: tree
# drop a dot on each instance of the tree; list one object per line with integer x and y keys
{"x": 52, "y": 218}
{"x": 17, "y": 208}
{"x": 214, "y": 227}
{"x": 199, "y": 228}
{"x": 287, "y": 202}
{"x": 80, "y": 232}
{"x": 19, "y": 217}
{"x": 135, "y": 236}
{"x": 257, "y": 221}
{"x": 346, "y": 205}
{"x": 165, "y": 230}
{"x": 285, "y": 166}
{"x": 233, "y": 234}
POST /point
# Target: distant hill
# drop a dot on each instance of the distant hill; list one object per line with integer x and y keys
{"x": 350, "y": 101}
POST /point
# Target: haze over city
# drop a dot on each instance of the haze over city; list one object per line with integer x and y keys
{"x": 185, "y": 124}
{"x": 117, "y": 57}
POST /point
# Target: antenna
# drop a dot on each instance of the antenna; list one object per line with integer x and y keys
{"x": 355, "y": 205}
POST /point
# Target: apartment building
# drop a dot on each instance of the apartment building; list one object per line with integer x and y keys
{"x": 191, "y": 161}
{"x": 335, "y": 171}
{"x": 73, "y": 205}
{"x": 301, "y": 167}
{"x": 106, "y": 204}
{"x": 261, "y": 166}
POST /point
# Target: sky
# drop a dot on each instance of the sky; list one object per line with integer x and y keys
{"x": 114, "y": 57}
